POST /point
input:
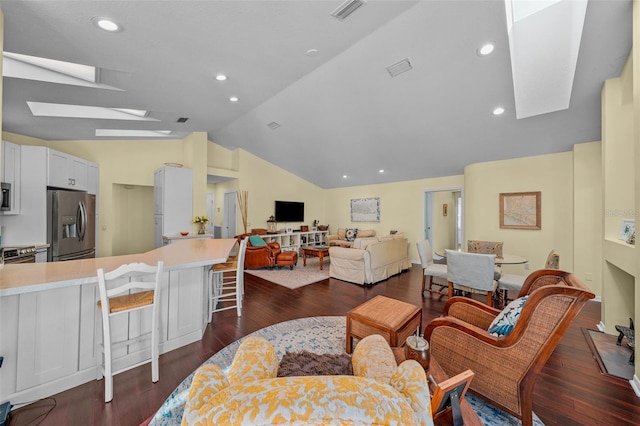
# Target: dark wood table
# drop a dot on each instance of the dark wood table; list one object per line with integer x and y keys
{"x": 444, "y": 418}
{"x": 319, "y": 252}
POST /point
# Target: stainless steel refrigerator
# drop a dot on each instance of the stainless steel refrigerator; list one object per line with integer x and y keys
{"x": 70, "y": 225}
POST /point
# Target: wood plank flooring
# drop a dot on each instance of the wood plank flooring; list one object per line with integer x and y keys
{"x": 569, "y": 391}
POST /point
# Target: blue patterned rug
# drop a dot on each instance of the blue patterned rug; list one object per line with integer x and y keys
{"x": 322, "y": 335}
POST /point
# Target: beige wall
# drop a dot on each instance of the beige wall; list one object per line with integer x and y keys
{"x": 550, "y": 174}
{"x": 401, "y": 207}
{"x": 132, "y": 229}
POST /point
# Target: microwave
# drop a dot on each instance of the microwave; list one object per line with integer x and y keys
{"x": 5, "y": 201}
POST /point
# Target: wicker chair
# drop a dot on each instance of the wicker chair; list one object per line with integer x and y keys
{"x": 506, "y": 367}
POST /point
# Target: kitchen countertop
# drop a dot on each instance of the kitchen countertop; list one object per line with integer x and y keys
{"x": 32, "y": 277}
{"x": 189, "y": 236}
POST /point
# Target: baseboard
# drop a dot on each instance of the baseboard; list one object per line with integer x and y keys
{"x": 635, "y": 385}
{"x": 601, "y": 326}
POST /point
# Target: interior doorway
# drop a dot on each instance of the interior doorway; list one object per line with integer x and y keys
{"x": 443, "y": 218}
{"x": 211, "y": 204}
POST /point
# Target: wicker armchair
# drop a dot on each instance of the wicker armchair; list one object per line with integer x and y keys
{"x": 506, "y": 367}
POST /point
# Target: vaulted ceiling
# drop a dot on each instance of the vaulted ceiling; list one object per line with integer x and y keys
{"x": 322, "y": 80}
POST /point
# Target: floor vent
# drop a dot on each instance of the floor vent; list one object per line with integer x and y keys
{"x": 346, "y": 9}
{"x": 399, "y": 67}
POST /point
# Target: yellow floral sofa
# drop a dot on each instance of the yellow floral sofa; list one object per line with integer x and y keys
{"x": 380, "y": 391}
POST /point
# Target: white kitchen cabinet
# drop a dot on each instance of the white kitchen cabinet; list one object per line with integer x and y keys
{"x": 185, "y": 302}
{"x": 93, "y": 179}
{"x": 11, "y": 174}
{"x": 66, "y": 171}
{"x": 173, "y": 200}
{"x": 48, "y": 332}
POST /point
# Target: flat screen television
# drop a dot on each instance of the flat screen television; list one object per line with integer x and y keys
{"x": 289, "y": 211}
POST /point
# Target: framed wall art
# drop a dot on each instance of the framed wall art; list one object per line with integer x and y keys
{"x": 365, "y": 209}
{"x": 627, "y": 228}
{"x": 520, "y": 210}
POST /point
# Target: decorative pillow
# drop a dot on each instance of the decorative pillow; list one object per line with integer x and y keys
{"x": 503, "y": 324}
{"x": 257, "y": 241}
{"x": 350, "y": 234}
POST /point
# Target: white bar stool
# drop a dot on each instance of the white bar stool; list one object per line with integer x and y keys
{"x": 226, "y": 283}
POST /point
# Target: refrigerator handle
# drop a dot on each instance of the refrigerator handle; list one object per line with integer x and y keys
{"x": 81, "y": 220}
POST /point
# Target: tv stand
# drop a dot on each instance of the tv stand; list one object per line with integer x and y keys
{"x": 294, "y": 241}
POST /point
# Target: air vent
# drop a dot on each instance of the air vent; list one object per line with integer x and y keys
{"x": 273, "y": 125}
{"x": 182, "y": 120}
{"x": 346, "y": 9}
{"x": 399, "y": 67}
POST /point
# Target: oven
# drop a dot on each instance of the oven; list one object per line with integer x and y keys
{"x": 12, "y": 255}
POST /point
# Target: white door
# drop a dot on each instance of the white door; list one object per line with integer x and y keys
{"x": 210, "y": 210}
{"x": 229, "y": 216}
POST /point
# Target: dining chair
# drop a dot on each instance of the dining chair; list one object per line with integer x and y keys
{"x": 485, "y": 247}
{"x": 431, "y": 269}
{"x": 514, "y": 281}
{"x": 471, "y": 272}
{"x": 226, "y": 283}
{"x": 125, "y": 291}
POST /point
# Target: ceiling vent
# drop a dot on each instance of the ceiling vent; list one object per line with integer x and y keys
{"x": 346, "y": 9}
{"x": 273, "y": 125}
{"x": 399, "y": 67}
{"x": 182, "y": 120}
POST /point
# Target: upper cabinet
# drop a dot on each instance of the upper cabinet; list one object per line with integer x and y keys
{"x": 66, "y": 171}
{"x": 93, "y": 177}
{"x": 11, "y": 174}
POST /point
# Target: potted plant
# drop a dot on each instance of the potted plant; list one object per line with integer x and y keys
{"x": 202, "y": 223}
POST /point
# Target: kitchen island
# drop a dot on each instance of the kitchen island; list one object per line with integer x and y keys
{"x": 50, "y": 326}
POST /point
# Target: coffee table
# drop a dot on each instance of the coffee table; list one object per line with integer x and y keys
{"x": 393, "y": 319}
{"x": 319, "y": 252}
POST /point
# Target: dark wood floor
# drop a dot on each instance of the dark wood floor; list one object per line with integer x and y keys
{"x": 569, "y": 391}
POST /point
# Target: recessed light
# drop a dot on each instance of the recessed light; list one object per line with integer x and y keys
{"x": 486, "y": 49}
{"x": 233, "y": 99}
{"x": 107, "y": 24}
{"x": 221, "y": 77}
{"x": 312, "y": 52}
{"x": 381, "y": 171}
{"x": 498, "y": 111}
{"x": 344, "y": 176}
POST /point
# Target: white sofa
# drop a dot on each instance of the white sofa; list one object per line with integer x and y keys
{"x": 370, "y": 260}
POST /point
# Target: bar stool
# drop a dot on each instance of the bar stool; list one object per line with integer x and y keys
{"x": 122, "y": 298}
{"x": 226, "y": 283}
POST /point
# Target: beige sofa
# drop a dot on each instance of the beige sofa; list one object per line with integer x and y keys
{"x": 339, "y": 239}
{"x": 370, "y": 259}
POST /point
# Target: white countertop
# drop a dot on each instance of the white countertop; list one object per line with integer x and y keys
{"x": 32, "y": 277}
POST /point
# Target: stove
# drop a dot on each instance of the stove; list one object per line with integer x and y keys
{"x": 25, "y": 254}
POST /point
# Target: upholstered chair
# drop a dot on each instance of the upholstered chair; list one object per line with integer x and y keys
{"x": 506, "y": 365}
{"x": 260, "y": 254}
{"x": 485, "y": 247}
{"x": 430, "y": 269}
{"x": 471, "y": 272}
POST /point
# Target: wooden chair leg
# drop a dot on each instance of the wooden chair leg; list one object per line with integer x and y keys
{"x": 450, "y": 289}
{"x": 490, "y": 299}
{"x": 424, "y": 281}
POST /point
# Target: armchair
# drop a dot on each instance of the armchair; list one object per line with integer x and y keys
{"x": 506, "y": 367}
{"x": 263, "y": 256}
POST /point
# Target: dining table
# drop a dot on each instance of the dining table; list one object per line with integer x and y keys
{"x": 505, "y": 259}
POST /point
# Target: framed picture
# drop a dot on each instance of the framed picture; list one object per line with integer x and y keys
{"x": 627, "y": 228}
{"x": 365, "y": 210}
{"x": 520, "y": 210}
{"x": 449, "y": 391}
{"x": 314, "y": 228}
{"x": 289, "y": 230}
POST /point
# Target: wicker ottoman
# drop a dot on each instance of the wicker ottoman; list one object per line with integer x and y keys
{"x": 392, "y": 319}
{"x": 287, "y": 258}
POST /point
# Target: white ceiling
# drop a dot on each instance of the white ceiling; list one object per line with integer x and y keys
{"x": 339, "y": 112}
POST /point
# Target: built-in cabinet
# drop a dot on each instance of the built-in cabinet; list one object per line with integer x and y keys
{"x": 66, "y": 171}
{"x": 173, "y": 201}
{"x": 11, "y": 174}
{"x": 296, "y": 240}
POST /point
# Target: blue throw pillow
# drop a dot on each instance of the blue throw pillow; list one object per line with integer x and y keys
{"x": 506, "y": 320}
{"x": 257, "y": 241}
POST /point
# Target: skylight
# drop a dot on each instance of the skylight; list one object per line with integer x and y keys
{"x": 544, "y": 41}
{"x": 16, "y": 65}
{"x": 121, "y": 133}
{"x": 44, "y": 109}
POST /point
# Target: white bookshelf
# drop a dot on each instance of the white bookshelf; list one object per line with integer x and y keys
{"x": 296, "y": 240}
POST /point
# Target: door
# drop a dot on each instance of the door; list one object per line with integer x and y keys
{"x": 229, "y": 215}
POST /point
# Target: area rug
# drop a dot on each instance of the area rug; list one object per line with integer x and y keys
{"x": 298, "y": 276}
{"x": 613, "y": 360}
{"x": 320, "y": 335}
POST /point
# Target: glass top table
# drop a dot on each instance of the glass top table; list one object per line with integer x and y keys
{"x": 506, "y": 259}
